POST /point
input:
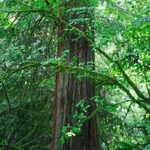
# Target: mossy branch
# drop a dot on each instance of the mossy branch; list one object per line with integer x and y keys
{"x": 40, "y": 146}
{"x": 129, "y": 81}
{"x": 10, "y": 146}
{"x": 7, "y": 97}
{"x": 35, "y": 139}
{"x": 29, "y": 133}
{"x": 99, "y": 77}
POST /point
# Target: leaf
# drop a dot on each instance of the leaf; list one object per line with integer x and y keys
{"x": 42, "y": 48}
{"x": 147, "y": 147}
{"x": 62, "y": 140}
{"x": 76, "y": 130}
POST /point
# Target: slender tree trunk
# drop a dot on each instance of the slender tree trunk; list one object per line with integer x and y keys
{"x": 69, "y": 91}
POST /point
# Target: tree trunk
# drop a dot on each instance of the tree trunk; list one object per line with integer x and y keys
{"x": 69, "y": 91}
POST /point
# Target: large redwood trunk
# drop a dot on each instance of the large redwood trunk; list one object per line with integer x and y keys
{"x": 69, "y": 91}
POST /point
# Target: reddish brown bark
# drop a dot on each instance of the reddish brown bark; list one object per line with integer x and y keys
{"x": 69, "y": 91}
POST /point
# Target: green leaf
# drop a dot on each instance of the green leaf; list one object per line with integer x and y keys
{"x": 62, "y": 140}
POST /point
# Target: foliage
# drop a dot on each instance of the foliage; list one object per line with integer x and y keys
{"x": 28, "y": 61}
{"x": 69, "y": 131}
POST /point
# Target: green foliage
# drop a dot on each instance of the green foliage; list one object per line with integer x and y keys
{"x": 69, "y": 131}
{"x": 28, "y": 43}
{"x": 147, "y": 147}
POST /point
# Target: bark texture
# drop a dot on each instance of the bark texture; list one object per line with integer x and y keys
{"x": 69, "y": 91}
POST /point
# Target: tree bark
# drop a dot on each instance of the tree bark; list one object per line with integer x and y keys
{"x": 69, "y": 91}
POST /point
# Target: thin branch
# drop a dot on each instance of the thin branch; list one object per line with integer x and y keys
{"x": 28, "y": 133}
{"x": 30, "y": 111}
{"x": 39, "y": 146}
{"x": 10, "y": 146}
{"x": 128, "y": 110}
{"x": 35, "y": 139}
{"x": 23, "y": 11}
{"x": 148, "y": 89}
{"x": 7, "y": 97}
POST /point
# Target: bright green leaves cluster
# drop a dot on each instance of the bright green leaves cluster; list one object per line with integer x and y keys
{"x": 70, "y": 131}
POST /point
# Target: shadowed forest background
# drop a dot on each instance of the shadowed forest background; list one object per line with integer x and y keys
{"x": 74, "y": 75}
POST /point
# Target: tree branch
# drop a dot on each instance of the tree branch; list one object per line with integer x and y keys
{"x": 129, "y": 81}
{"x": 7, "y": 97}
